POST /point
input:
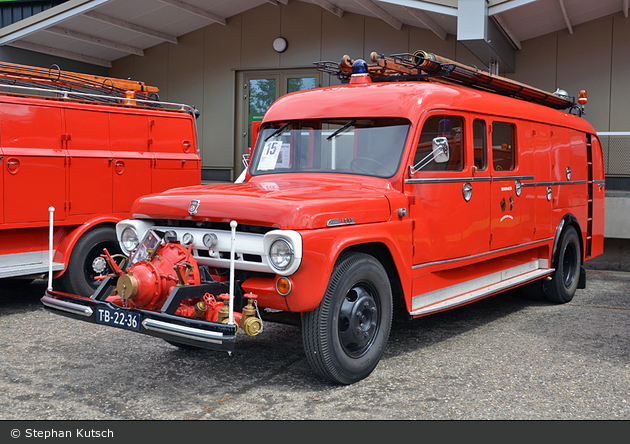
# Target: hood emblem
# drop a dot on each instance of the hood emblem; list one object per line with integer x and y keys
{"x": 194, "y": 206}
{"x": 337, "y": 222}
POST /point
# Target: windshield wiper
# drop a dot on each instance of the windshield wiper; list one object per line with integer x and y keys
{"x": 343, "y": 128}
{"x": 278, "y": 131}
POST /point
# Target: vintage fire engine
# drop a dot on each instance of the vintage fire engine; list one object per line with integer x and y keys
{"x": 420, "y": 183}
{"x": 87, "y": 146}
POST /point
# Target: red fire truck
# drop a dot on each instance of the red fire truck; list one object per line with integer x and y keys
{"x": 421, "y": 184}
{"x": 87, "y": 147}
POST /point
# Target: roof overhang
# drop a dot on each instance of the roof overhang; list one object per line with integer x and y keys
{"x": 101, "y": 31}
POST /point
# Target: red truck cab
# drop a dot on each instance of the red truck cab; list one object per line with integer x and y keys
{"x": 421, "y": 193}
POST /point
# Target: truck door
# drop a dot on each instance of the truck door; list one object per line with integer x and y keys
{"x": 33, "y": 170}
{"x": 542, "y": 171}
{"x": 131, "y": 170}
{"x": 449, "y": 200}
{"x": 174, "y": 149}
{"x": 90, "y": 159}
{"x": 513, "y": 194}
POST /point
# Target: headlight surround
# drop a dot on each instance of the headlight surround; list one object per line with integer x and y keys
{"x": 281, "y": 254}
{"x": 129, "y": 240}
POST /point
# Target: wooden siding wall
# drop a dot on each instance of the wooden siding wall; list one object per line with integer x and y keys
{"x": 201, "y": 69}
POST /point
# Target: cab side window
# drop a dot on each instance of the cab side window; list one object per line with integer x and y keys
{"x": 479, "y": 144}
{"x": 450, "y": 127}
{"x": 503, "y": 148}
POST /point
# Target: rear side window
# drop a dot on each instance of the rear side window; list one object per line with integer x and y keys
{"x": 503, "y": 148}
{"x": 447, "y": 126}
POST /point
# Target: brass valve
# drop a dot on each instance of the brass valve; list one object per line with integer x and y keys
{"x": 250, "y": 323}
{"x": 200, "y": 308}
{"x": 224, "y": 312}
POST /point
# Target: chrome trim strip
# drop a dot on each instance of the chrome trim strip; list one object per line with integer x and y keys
{"x": 82, "y": 310}
{"x": 448, "y": 179}
{"x": 504, "y": 178}
{"x": 561, "y": 182}
{"x": 183, "y": 331}
{"x": 600, "y": 181}
{"x": 468, "y": 179}
{"x": 477, "y": 288}
{"x": 500, "y": 250}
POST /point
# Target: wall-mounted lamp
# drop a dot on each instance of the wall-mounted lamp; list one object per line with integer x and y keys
{"x": 280, "y": 44}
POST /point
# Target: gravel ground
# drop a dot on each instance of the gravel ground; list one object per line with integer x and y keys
{"x": 502, "y": 358}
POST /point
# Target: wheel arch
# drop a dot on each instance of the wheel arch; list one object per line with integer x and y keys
{"x": 67, "y": 244}
{"x": 569, "y": 220}
{"x": 382, "y": 254}
{"x": 566, "y": 221}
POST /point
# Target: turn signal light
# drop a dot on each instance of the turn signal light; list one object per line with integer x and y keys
{"x": 283, "y": 285}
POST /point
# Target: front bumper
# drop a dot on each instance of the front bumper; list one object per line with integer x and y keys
{"x": 193, "y": 332}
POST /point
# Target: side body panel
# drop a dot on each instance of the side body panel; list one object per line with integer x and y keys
{"x": 90, "y": 162}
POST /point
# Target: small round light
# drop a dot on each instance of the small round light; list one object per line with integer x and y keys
{"x": 280, "y": 44}
{"x": 129, "y": 239}
{"x": 210, "y": 240}
{"x": 549, "y": 193}
{"x": 187, "y": 239}
{"x": 568, "y": 173}
{"x": 518, "y": 187}
{"x": 281, "y": 254}
{"x": 283, "y": 285}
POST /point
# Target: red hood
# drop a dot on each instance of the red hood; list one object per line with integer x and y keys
{"x": 274, "y": 202}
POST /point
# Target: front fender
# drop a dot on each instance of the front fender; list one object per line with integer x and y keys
{"x": 323, "y": 247}
{"x": 72, "y": 236}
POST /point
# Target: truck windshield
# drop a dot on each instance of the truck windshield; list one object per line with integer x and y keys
{"x": 365, "y": 146}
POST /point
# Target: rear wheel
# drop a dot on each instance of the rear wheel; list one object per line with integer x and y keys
{"x": 86, "y": 263}
{"x": 564, "y": 280}
{"x": 345, "y": 336}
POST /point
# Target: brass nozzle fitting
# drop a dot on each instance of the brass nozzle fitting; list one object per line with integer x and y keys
{"x": 127, "y": 286}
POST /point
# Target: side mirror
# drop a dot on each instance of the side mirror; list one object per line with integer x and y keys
{"x": 441, "y": 151}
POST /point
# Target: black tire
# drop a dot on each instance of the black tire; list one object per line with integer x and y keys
{"x": 564, "y": 280}
{"x": 80, "y": 277}
{"x": 345, "y": 336}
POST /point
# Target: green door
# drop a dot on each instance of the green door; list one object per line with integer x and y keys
{"x": 259, "y": 90}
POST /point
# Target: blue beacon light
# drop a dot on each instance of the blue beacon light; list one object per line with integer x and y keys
{"x": 359, "y": 67}
{"x": 360, "y": 72}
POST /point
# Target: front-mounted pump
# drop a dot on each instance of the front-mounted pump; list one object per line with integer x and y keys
{"x": 163, "y": 292}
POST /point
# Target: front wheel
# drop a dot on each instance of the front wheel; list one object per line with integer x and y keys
{"x": 86, "y": 263}
{"x": 345, "y": 336}
{"x": 564, "y": 280}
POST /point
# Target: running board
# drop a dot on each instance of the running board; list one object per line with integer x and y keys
{"x": 479, "y": 288}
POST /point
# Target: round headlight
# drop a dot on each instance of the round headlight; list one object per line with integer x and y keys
{"x": 129, "y": 239}
{"x": 281, "y": 254}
